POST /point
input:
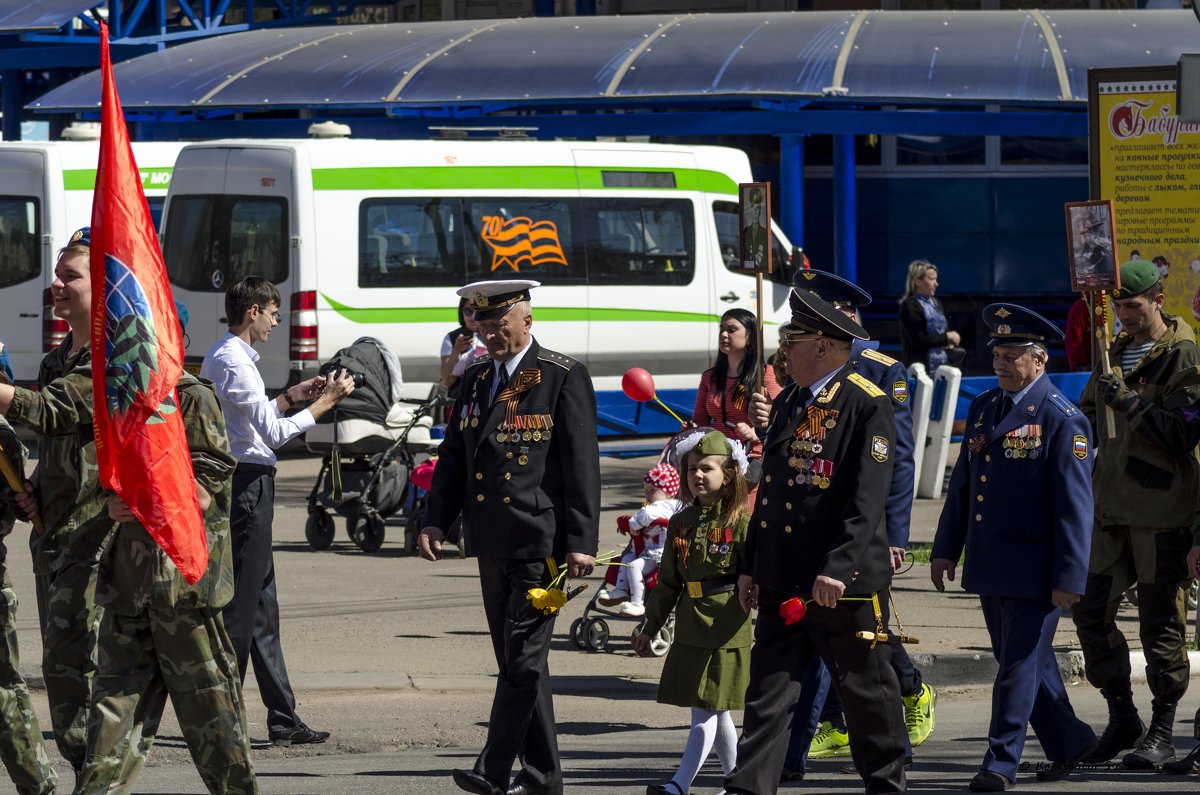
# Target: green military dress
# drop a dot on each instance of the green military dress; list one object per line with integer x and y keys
{"x": 708, "y": 665}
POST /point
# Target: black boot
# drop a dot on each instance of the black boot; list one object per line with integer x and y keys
{"x": 1157, "y": 746}
{"x": 1124, "y": 727}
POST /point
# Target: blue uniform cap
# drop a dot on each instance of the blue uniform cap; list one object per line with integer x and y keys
{"x": 1014, "y": 326}
{"x": 813, "y": 315}
{"x": 834, "y": 289}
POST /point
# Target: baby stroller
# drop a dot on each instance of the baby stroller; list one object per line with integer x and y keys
{"x": 591, "y": 631}
{"x": 370, "y": 443}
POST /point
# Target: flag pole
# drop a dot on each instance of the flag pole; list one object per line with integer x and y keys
{"x": 17, "y": 484}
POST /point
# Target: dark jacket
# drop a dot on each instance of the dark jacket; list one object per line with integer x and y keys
{"x": 526, "y": 498}
{"x": 798, "y": 530}
{"x": 1020, "y": 497}
{"x": 915, "y": 341}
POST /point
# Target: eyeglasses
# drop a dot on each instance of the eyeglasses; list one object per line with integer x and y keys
{"x": 786, "y": 342}
{"x": 274, "y": 315}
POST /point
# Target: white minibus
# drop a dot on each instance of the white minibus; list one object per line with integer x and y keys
{"x": 636, "y": 246}
{"x": 45, "y": 195}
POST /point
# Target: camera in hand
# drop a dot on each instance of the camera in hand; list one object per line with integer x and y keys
{"x": 330, "y": 371}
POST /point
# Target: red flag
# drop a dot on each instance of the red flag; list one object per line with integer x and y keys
{"x": 137, "y": 352}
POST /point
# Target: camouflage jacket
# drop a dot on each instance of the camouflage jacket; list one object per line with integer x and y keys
{"x": 136, "y": 573}
{"x": 1148, "y": 474}
{"x": 74, "y": 508}
{"x": 16, "y": 453}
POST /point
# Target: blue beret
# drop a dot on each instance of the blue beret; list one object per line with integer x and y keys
{"x": 81, "y": 237}
{"x": 182, "y": 311}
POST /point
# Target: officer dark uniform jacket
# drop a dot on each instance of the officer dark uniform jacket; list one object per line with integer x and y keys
{"x": 527, "y": 484}
{"x": 889, "y": 375}
{"x": 1020, "y": 504}
{"x": 524, "y": 471}
{"x": 827, "y": 472}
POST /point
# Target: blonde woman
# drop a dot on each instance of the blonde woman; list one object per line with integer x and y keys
{"x": 925, "y": 336}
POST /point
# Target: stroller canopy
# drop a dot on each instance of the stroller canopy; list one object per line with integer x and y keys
{"x": 382, "y": 387}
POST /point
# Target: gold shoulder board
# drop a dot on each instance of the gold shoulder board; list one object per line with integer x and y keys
{"x": 876, "y": 356}
{"x": 865, "y": 385}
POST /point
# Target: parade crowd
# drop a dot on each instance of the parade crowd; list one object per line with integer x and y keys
{"x": 792, "y": 502}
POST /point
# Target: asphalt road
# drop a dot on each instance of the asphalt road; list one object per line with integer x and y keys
{"x": 390, "y": 654}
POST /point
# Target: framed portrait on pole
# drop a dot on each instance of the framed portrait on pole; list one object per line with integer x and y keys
{"x": 1092, "y": 246}
{"x": 754, "y": 201}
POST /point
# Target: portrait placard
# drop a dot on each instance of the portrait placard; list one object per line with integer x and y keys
{"x": 1092, "y": 246}
{"x": 754, "y": 202}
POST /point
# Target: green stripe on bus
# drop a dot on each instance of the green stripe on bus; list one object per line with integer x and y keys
{"x": 85, "y": 178}
{"x": 425, "y": 314}
{"x": 504, "y": 178}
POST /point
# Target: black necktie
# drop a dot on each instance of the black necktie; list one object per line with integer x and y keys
{"x": 800, "y": 407}
{"x": 501, "y": 382}
{"x": 1006, "y": 404}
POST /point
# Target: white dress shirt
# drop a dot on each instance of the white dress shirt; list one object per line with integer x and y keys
{"x": 253, "y": 421}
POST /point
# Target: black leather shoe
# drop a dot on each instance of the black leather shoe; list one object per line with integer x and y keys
{"x": 670, "y": 788}
{"x": 1188, "y": 766}
{"x": 1057, "y": 771}
{"x": 521, "y": 788}
{"x": 480, "y": 784}
{"x": 301, "y": 735}
{"x": 790, "y": 775}
{"x": 987, "y": 781}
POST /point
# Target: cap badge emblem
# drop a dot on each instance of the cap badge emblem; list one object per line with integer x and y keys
{"x": 1003, "y": 328}
{"x": 1002, "y": 312}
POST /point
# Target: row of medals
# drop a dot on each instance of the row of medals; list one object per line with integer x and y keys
{"x": 505, "y": 435}
{"x": 803, "y": 451}
{"x": 1021, "y": 447}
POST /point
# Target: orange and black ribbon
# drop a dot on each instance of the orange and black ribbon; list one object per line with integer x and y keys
{"x": 525, "y": 381}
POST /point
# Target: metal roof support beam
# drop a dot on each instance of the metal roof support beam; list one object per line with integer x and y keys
{"x": 791, "y": 187}
{"x": 12, "y": 103}
{"x": 1063, "y": 123}
{"x": 845, "y": 199}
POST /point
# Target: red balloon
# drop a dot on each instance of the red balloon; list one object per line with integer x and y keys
{"x": 638, "y": 384}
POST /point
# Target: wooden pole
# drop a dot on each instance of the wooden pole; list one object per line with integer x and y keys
{"x": 1102, "y": 341}
{"x": 760, "y": 375}
{"x": 17, "y": 483}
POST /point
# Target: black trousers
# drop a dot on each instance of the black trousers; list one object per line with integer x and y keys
{"x": 521, "y": 725}
{"x": 252, "y": 616}
{"x": 863, "y": 676}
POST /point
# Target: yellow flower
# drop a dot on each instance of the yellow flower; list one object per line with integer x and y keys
{"x": 548, "y": 600}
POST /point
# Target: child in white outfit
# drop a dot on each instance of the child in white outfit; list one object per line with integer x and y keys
{"x": 661, "y": 484}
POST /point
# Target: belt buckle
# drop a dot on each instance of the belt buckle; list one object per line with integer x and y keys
{"x": 695, "y": 589}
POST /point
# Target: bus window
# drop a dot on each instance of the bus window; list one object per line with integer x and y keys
{"x": 726, "y": 218}
{"x": 212, "y": 241}
{"x": 20, "y": 258}
{"x": 640, "y": 241}
{"x": 525, "y": 238}
{"x": 410, "y": 243}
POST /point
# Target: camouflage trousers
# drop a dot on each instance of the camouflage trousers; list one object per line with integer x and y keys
{"x": 21, "y": 746}
{"x": 185, "y": 654}
{"x": 70, "y": 620}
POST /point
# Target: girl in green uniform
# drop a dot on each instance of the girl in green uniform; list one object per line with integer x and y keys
{"x": 708, "y": 666}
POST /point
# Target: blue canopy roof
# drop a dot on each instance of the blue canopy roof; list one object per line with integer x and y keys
{"x": 20, "y": 15}
{"x": 917, "y": 57}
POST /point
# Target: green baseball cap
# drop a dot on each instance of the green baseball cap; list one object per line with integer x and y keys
{"x": 1137, "y": 276}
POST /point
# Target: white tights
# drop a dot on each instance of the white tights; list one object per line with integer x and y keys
{"x": 632, "y": 578}
{"x": 708, "y": 727}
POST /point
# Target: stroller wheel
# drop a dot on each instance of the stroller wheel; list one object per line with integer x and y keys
{"x": 660, "y": 644}
{"x": 595, "y": 634}
{"x": 319, "y": 529}
{"x": 367, "y": 531}
{"x": 577, "y": 634}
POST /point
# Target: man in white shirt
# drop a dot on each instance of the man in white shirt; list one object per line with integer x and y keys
{"x": 256, "y": 425}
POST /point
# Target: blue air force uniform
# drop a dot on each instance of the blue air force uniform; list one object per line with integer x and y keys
{"x": 1020, "y": 505}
